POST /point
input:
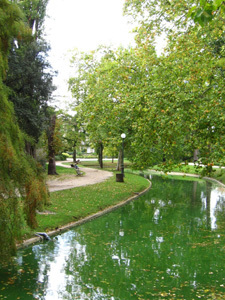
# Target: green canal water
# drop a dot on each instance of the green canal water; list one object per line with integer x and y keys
{"x": 167, "y": 244}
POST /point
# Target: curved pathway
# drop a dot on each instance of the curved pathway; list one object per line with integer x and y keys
{"x": 91, "y": 176}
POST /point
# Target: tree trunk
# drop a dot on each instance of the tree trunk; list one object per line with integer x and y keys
{"x": 196, "y": 153}
{"x": 74, "y": 153}
{"x": 100, "y": 155}
{"x": 51, "y": 149}
{"x": 52, "y": 166}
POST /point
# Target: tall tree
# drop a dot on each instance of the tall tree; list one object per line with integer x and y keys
{"x": 29, "y": 76}
{"x": 22, "y": 186}
{"x": 170, "y": 104}
{"x": 190, "y": 80}
{"x": 31, "y": 87}
{"x": 101, "y": 90}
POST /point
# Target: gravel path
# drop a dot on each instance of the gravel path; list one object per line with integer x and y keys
{"x": 91, "y": 176}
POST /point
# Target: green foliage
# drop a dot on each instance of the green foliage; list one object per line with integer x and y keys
{"x": 168, "y": 104}
{"x": 66, "y": 154}
{"x": 184, "y": 103}
{"x": 72, "y": 133}
{"x": 22, "y": 186}
{"x": 31, "y": 86}
{"x": 12, "y": 26}
{"x": 205, "y": 11}
{"x": 60, "y": 157}
{"x": 34, "y": 12}
{"x": 74, "y": 204}
{"x": 29, "y": 76}
{"x": 102, "y": 106}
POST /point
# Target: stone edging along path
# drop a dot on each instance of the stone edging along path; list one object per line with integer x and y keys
{"x": 84, "y": 220}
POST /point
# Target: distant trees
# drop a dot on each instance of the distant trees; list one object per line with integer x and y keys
{"x": 72, "y": 133}
{"x": 171, "y": 104}
{"x": 98, "y": 96}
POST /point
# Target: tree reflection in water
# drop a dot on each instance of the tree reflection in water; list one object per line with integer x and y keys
{"x": 168, "y": 244}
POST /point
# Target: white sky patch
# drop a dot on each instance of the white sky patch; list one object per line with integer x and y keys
{"x": 82, "y": 25}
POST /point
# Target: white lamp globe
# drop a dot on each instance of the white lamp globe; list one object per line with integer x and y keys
{"x": 123, "y": 135}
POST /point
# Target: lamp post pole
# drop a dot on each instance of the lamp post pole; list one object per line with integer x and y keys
{"x": 123, "y": 135}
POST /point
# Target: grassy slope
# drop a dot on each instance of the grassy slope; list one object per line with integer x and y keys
{"x": 77, "y": 203}
{"x": 74, "y": 204}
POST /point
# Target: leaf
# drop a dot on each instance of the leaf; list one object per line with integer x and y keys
{"x": 217, "y": 3}
{"x": 191, "y": 12}
{"x": 202, "y": 3}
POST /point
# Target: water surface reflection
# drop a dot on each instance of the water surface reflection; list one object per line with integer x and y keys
{"x": 168, "y": 244}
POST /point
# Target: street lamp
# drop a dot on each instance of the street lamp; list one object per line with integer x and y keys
{"x": 123, "y": 135}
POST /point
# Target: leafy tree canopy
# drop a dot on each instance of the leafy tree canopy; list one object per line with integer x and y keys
{"x": 22, "y": 186}
{"x": 30, "y": 76}
{"x": 168, "y": 105}
{"x": 35, "y": 13}
{"x": 31, "y": 86}
{"x": 205, "y": 11}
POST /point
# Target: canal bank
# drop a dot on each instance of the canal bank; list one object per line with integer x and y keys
{"x": 171, "y": 239}
{"x": 95, "y": 177}
{"x": 120, "y": 194}
{"x": 188, "y": 175}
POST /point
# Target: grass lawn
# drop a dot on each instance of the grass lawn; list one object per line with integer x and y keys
{"x": 217, "y": 173}
{"x": 107, "y": 164}
{"x": 74, "y": 204}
